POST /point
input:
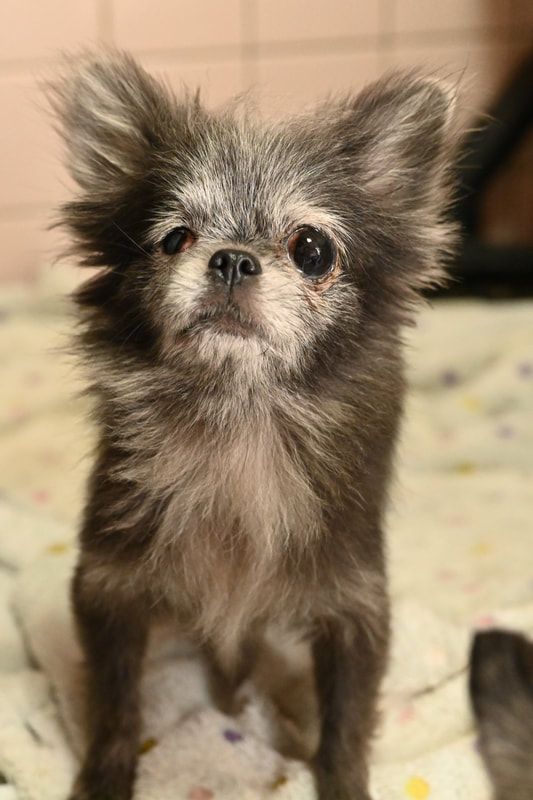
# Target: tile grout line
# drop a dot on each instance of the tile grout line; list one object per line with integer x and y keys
{"x": 105, "y": 21}
{"x": 249, "y": 49}
{"x": 253, "y": 50}
{"x": 386, "y": 36}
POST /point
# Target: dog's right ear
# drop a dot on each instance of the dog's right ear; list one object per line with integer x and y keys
{"x": 113, "y": 116}
{"x": 120, "y": 127}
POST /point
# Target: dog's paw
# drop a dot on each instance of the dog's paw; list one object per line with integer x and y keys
{"x": 99, "y": 784}
{"x": 339, "y": 787}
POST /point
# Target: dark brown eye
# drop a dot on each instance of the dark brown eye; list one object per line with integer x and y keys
{"x": 177, "y": 241}
{"x": 312, "y": 252}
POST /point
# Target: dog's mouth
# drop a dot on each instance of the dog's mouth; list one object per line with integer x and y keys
{"x": 228, "y": 319}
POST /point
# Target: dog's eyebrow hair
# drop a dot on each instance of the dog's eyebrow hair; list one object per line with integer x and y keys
{"x": 245, "y": 222}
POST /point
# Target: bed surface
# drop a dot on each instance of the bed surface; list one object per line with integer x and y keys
{"x": 461, "y": 557}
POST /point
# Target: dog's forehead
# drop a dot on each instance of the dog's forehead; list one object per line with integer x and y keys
{"x": 243, "y": 183}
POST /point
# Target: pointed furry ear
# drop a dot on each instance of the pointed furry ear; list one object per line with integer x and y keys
{"x": 399, "y": 131}
{"x": 112, "y": 115}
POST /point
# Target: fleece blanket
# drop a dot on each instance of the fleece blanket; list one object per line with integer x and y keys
{"x": 460, "y": 559}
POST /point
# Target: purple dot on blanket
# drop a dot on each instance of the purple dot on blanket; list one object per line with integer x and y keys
{"x": 233, "y": 736}
{"x": 525, "y": 369}
{"x": 505, "y": 431}
{"x": 450, "y": 377}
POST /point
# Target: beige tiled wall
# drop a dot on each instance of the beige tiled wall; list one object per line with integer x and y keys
{"x": 291, "y": 51}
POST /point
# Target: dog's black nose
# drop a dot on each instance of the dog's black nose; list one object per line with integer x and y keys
{"x": 234, "y": 265}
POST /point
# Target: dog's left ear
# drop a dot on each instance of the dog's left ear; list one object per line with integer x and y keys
{"x": 397, "y": 137}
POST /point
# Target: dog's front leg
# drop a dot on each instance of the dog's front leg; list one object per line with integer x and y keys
{"x": 113, "y": 637}
{"x": 349, "y": 664}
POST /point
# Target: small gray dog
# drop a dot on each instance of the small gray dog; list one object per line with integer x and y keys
{"x": 243, "y": 341}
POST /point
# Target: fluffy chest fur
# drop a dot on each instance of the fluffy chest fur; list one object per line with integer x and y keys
{"x": 236, "y": 506}
{"x": 239, "y": 512}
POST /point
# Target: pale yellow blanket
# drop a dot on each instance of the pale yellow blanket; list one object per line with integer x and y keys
{"x": 461, "y": 557}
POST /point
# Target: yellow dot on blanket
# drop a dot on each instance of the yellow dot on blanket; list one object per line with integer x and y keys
{"x": 58, "y": 548}
{"x": 417, "y": 788}
{"x": 465, "y": 468}
{"x": 147, "y": 745}
{"x": 279, "y": 782}
{"x": 481, "y": 549}
{"x": 472, "y": 403}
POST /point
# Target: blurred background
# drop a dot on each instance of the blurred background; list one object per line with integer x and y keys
{"x": 288, "y": 51}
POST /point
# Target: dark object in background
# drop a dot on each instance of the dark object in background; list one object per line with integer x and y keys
{"x": 484, "y": 268}
{"x": 501, "y": 689}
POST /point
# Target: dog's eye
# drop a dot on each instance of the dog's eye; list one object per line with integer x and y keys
{"x": 312, "y": 252}
{"x": 177, "y": 241}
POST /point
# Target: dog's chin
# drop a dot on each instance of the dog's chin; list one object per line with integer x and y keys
{"x": 218, "y": 336}
{"x": 226, "y": 322}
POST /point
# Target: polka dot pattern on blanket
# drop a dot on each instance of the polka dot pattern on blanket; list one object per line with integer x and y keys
{"x": 461, "y": 513}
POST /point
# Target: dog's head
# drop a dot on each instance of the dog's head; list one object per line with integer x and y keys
{"x": 226, "y": 239}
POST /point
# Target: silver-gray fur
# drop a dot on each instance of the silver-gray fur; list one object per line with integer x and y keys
{"x": 247, "y": 433}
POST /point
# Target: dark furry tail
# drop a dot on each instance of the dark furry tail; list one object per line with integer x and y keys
{"x": 501, "y": 689}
